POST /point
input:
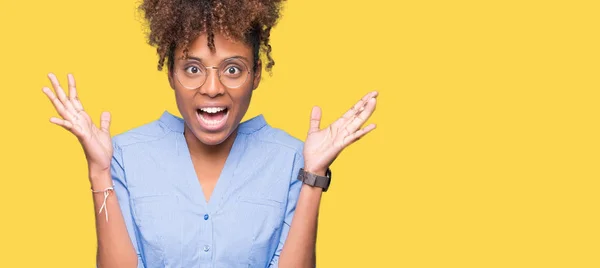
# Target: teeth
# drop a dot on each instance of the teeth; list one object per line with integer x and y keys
{"x": 212, "y": 110}
{"x": 212, "y": 122}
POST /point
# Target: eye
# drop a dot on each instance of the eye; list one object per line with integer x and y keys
{"x": 232, "y": 70}
{"x": 193, "y": 70}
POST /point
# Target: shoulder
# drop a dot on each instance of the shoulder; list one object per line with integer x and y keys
{"x": 148, "y": 133}
{"x": 143, "y": 134}
{"x": 281, "y": 138}
{"x": 264, "y": 135}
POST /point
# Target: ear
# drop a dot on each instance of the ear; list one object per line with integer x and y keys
{"x": 171, "y": 82}
{"x": 257, "y": 74}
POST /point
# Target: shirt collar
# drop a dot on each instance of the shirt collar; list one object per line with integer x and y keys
{"x": 175, "y": 123}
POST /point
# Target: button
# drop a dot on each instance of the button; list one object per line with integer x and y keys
{"x": 206, "y": 248}
{"x": 205, "y": 217}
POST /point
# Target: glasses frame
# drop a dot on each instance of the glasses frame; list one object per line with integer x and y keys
{"x": 216, "y": 68}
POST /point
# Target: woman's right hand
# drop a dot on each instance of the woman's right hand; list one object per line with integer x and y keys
{"x": 96, "y": 142}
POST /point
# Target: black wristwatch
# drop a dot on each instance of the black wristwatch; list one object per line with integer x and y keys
{"x": 315, "y": 180}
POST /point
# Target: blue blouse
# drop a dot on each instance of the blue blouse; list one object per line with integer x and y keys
{"x": 248, "y": 216}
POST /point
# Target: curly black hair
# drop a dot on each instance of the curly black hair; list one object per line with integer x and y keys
{"x": 174, "y": 23}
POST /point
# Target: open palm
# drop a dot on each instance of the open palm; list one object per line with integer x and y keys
{"x": 96, "y": 142}
{"x": 322, "y": 146}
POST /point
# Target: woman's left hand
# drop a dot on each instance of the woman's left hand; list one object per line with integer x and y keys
{"x": 322, "y": 146}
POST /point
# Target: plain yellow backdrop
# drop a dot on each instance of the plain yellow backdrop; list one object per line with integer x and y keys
{"x": 486, "y": 153}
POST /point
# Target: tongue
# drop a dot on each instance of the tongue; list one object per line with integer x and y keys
{"x": 214, "y": 116}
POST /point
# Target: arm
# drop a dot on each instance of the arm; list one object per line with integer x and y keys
{"x": 321, "y": 148}
{"x": 299, "y": 247}
{"x": 117, "y": 238}
{"x": 115, "y": 248}
{"x": 303, "y": 200}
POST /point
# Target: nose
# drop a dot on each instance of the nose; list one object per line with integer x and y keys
{"x": 212, "y": 86}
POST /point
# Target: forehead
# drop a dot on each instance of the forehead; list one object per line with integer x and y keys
{"x": 224, "y": 48}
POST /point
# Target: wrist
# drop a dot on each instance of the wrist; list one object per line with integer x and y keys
{"x": 311, "y": 189}
{"x": 315, "y": 177}
{"x": 95, "y": 168}
{"x": 100, "y": 179}
{"x": 315, "y": 170}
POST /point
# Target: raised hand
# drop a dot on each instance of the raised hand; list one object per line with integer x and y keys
{"x": 96, "y": 142}
{"x": 322, "y": 146}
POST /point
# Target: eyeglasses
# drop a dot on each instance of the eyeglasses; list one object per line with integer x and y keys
{"x": 191, "y": 74}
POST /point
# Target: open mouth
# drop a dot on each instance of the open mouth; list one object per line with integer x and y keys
{"x": 212, "y": 118}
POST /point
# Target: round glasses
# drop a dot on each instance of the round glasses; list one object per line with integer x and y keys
{"x": 191, "y": 74}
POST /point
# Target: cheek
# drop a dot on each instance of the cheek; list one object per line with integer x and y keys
{"x": 242, "y": 99}
{"x": 183, "y": 100}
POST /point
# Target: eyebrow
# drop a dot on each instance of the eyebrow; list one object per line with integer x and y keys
{"x": 200, "y": 60}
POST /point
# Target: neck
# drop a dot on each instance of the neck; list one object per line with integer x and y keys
{"x": 213, "y": 152}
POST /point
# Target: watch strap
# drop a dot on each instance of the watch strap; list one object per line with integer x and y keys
{"x": 315, "y": 180}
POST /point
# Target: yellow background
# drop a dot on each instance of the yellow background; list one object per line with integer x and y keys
{"x": 486, "y": 154}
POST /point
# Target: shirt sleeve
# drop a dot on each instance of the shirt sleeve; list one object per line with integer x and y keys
{"x": 294, "y": 192}
{"x": 120, "y": 187}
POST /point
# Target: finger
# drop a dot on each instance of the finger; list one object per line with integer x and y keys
{"x": 73, "y": 93}
{"x": 56, "y": 85}
{"x": 61, "y": 122}
{"x": 358, "y": 120}
{"x": 367, "y": 110}
{"x": 358, "y": 134}
{"x": 58, "y": 105}
{"x": 60, "y": 93}
{"x": 359, "y": 106}
{"x": 75, "y": 129}
{"x": 315, "y": 119}
{"x": 72, "y": 90}
{"x": 105, "y": 122}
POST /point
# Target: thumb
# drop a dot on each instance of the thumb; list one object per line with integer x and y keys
{"x": 315, "y": 119}
{"x": 105, "y": 122}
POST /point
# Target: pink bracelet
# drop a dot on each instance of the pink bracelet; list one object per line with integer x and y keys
{"x": 106, "y": 193}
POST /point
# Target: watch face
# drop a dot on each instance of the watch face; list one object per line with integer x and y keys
{"x": 328, "y": 173}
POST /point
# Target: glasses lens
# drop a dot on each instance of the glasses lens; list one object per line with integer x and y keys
{"x": 233, "y": 73}
{"x": 190, "y": 74}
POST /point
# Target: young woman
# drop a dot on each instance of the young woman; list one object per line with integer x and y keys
{"x": 206, "y": 190}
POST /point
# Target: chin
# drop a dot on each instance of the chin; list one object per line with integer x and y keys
{"x": 211, "y": 139}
